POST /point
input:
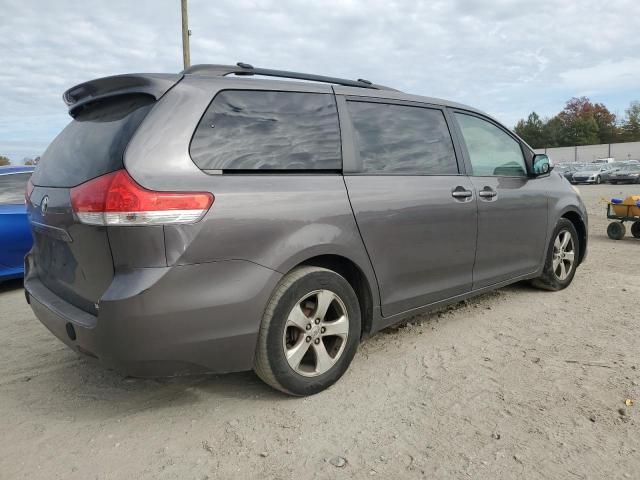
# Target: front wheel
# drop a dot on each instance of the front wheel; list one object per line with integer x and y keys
{"x": 309, "y": 333}
{"x": 562, "y": 258}
{"x": 635, "y": 229}
{"x": 598, "y": 180}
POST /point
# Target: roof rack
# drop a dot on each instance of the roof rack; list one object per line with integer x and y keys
{"x": 245, "y": 69}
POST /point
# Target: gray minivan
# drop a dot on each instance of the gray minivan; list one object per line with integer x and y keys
{"x": 218, "y": 221}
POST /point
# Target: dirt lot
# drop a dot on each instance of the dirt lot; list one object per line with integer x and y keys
{"x": 517, "y": 383}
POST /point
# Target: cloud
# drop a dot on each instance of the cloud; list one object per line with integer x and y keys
{"x": 507, "y": 57}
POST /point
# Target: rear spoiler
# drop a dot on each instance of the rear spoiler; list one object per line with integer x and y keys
{"x": 154, "y": 84}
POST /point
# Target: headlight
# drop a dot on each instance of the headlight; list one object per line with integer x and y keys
{"x": 634, "y": 174}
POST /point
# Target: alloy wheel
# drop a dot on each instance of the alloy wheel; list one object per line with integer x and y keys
{"x": 315, "y": 334}
{"x": 563, "y": 255}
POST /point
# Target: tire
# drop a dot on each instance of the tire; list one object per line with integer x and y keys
{"x": 616, "y": 230}
{"x": 598, "y": 180}
{"x": 552, "y": 278}
{"x": 614, "y": 183}
{"x": 635, "y": 229}
{"x": 279, "y": 336}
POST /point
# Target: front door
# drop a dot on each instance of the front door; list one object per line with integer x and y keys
{"x": 512, "y": 207}
{"x": 415, "y": 210}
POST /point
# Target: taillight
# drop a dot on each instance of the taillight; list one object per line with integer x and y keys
{"x": 116, "y": 199}
{"x": 28, "y": 191}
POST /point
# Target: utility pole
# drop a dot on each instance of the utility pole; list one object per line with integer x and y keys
{"x": 186, "y": 55}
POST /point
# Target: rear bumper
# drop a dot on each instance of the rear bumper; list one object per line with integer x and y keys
{"x": 166, "y": 321}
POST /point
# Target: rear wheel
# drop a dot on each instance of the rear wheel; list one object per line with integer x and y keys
{"x": 635, "y": 229}
{"x": 562, "y": 258}
{"x": 616, "y": 230}
{"x": 598, "y": 180}
{"x": 310, "y": 332}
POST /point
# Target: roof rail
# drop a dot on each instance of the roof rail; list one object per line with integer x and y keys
{"x": 246, "y": 69}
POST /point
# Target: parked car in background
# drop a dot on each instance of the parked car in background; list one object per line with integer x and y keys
{"x": 206, "y": 222}
{"x": 629, "y": 173}
{"x": 592, "y": 173}
{"x": 15, "y": 232}
{"x": 566, "y": 170}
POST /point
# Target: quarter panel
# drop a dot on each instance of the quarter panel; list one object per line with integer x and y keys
{"x": 273, "y": 220}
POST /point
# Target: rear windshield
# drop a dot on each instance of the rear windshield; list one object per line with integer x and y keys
{"x": 12, "y": 187}
{"x": 93, "y": 143}
{"x": 266, "y": 130}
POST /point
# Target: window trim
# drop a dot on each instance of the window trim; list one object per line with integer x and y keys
{"x": 231, "y": 171}
{"x": 351, "y": 162}
{"x": 465, "y": 150}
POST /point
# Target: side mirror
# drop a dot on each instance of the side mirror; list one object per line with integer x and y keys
{"x": 541, "y": 164}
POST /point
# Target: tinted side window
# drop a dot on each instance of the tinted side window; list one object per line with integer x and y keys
{"x": 402, "y": 139}
{"x": 492, "y": 151}
{"x": 244, "y": 130}
{"x": 12, "y": 187}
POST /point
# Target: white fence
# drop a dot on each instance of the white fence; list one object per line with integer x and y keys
{"x": 589, "y": 153}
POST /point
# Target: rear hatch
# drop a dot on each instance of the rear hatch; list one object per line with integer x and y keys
{"x": 74, "y": 259}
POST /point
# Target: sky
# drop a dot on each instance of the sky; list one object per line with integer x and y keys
{"x": 506, "y": 57}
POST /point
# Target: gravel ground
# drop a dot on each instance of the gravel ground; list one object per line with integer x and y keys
{"x": 516, "y": 383}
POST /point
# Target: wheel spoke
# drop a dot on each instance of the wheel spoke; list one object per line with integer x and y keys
{"x": 325, "y": 297}
{"x": 323, "y": 360}
{"x": 563, "y": 271}
{"x": 339, "y": 327}
{"x": 556, "y": 262}
{"x": 296, "y": 353}
{"x": 565, "y": 240}
{"x": 297, "y": 318}
{"x": 569, "y": 256}
{"x": 556, "y": 244}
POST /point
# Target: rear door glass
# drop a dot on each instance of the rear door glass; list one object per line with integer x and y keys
{"x": 400, "y": 139}
{"x": 93, "y": 143}
{"x": 266, "y": 130}
{"x": 12, "y": 188}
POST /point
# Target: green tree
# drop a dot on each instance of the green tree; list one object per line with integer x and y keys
{"x": 554, "y": 132}
{"x": 531, "y": 130}
{"x": 631, "y": 123}
{"x": 580, "y": 131}
{"x": 4, "y": 160}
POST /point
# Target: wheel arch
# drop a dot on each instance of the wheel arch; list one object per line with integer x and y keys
{"x": 356, "y": 278}
{"x": 575, "y": 218}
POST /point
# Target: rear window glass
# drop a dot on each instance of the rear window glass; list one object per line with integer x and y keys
{"x": 398, "y": 139}
{"x": 12, "y": 187}
{"x": 93, "y": 143}
{"x": 265, "y": 130}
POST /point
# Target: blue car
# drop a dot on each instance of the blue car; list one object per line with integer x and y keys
{"x": 15, "y": 233}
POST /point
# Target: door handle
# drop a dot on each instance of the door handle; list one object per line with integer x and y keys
{"x": 461, "y": 193}
{"x": 487, "y": 193}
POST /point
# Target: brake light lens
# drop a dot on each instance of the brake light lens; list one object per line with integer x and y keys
{"x": 116, "y": 199}
{"x": 28, "y": 191}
